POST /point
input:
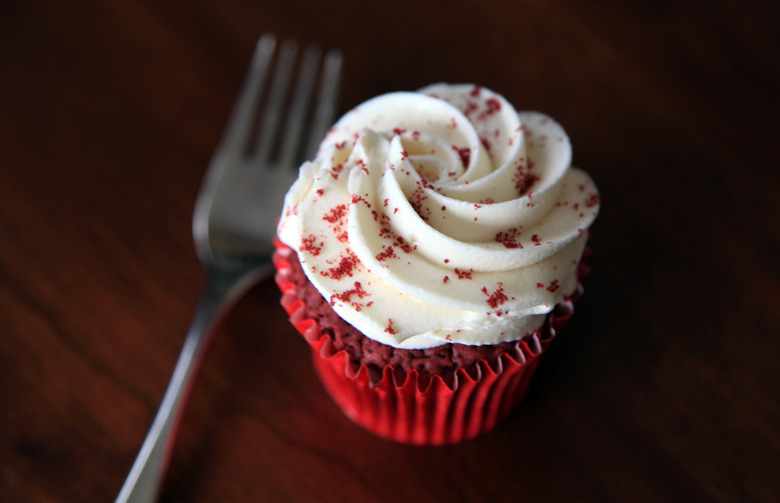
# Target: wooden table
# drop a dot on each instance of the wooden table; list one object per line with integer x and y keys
{"x": 665, "y": 386}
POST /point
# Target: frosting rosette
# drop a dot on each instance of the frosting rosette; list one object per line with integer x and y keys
{"x": 439, "y": 216}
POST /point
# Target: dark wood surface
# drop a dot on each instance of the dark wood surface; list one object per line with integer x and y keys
{"x": 665, "y": 386}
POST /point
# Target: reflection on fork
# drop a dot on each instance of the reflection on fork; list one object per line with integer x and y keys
{"x": 236, "y": 211}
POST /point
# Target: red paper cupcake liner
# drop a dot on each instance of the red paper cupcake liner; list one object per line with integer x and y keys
{"x": 444, "y": 411}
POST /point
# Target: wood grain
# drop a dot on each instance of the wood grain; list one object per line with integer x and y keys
{"x": 664, "y": 387}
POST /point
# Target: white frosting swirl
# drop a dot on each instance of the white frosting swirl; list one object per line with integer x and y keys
{"x": 441, "y": 216}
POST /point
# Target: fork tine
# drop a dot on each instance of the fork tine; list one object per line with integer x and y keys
{"x": 279, "y": 85}
{"x": 326, "y": 102}
{"x": 241, "y": 118}
{"x": 299, "y": 107}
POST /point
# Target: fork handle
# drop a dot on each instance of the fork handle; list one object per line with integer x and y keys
{"x": 221, "y": 291}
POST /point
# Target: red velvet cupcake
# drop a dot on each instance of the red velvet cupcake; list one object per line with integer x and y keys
{"x": 430, "y": 254}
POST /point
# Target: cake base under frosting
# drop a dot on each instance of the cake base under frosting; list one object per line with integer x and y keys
{"x": 443, "y": 360}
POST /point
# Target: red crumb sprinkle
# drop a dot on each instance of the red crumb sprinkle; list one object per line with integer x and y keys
{"x": 540, "y": 285}
{"x": 346, "y": 296}
{"x": 389, "y": 328}
{"x": 535, "y": 239}
{"x": 446, "y": 261}
{"x": 446, "y": 279}
{"x": 486, "y": 143}
{"x": 416, "y": 135}
{"x": 335, "y": 170}
{"x": 464, "y": 153}
{"x": 403, "y": 245}
{"x": 476, "y": 90}
{"x": 404, "y": 154}
{"x": 470, "y": 108}
{"x": 336, "y": 214}
{"x": 346, "y": 267}
{"x": 592, "y": 201}
{"x": 386, "y": 253}
{"x": 464, "y": 274}
{"x": 362, "y": 165}
{"x": 308, "y": 245}
{"x": 320, "y": 192}
{"x": 553, "y": 286}
{"x": 496, "y": 298}
{"x": 493, "y": 106}
{"x": 399, "y": 131}
{"x": 448, "y": 337}
{"x": 509, "y": 238}
{"x": 523, "y": 180}
{"x": 360, "y": 199}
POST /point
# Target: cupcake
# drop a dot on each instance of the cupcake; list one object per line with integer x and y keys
{"x": 430, "y": 253}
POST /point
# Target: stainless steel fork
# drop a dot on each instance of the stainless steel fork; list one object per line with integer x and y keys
{"x": 236, "y": 212}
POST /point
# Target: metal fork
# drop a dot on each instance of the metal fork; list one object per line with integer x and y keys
{"x": 235, "y": 216}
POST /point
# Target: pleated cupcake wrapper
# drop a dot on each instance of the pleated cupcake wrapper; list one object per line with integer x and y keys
{"x": 396, "y": 406}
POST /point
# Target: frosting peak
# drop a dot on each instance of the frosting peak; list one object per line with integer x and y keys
{"x": 441, "y": 216}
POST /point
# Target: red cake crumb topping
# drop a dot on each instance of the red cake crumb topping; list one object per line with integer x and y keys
{"x": 464, "y": 274}
{"x": 508, "y": 238}
{"x": 592, "y": 201}
{"x": 346, "y": 267}
{"x": 359, "y": 199}
{"x": 464, "y": 153}
{"x": 346, "y": 296}
{"x": 336, "y": 214}
{"x": 386, "y": 253}
{"x": 496, "y": 298}
{"x": 308, "y": 245}
{"x": 336, "y": 170}
{"x": 493, "y": 105}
